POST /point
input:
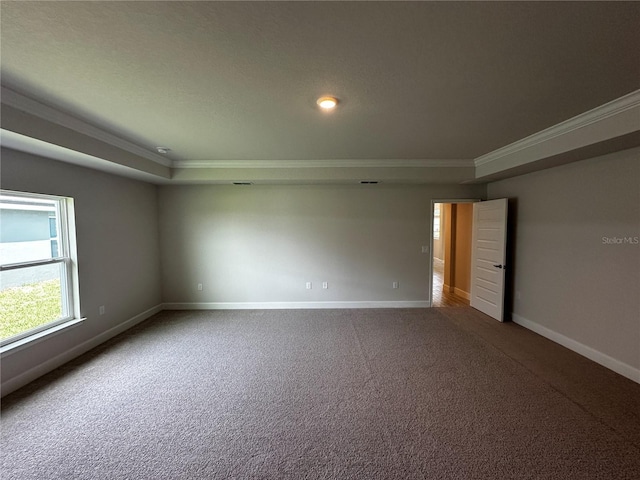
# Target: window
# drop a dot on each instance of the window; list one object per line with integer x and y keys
{"x": 38, "y": 286}
{"x": 436, "y": 221}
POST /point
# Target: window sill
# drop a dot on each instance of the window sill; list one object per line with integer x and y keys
{"x": 25, "y": 342}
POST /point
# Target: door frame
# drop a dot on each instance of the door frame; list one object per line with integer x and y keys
{"x": 431, "y": 217}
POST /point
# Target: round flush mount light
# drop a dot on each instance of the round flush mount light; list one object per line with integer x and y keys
{"x": 163, "y": 150}
{"x": 327, "y": 103}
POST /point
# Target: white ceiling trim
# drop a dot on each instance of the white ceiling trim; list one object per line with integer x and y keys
{"x": 22, "y": 143}
{"x": 33, "y": 107}
{"x": 611, "y": 120}
{"x": 616, "y": 108}
{"x": 346, "y": 163}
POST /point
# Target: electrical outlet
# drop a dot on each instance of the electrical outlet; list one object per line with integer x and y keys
{"x": 395, "y": 284}
{"x": 309, "y": 285}
{"x": 325, "y": 285}
{"x": 425, "y": 248}
{"x": 101, "y": 309}
{"x": 200, "y": 286}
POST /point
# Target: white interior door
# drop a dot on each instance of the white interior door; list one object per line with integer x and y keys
{"x": 488, "y": 255}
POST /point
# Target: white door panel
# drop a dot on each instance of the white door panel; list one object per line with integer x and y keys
{"x": 488, "y": 254}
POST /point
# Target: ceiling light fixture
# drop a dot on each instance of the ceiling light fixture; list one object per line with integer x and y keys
{"x": 163, "y": 150}
{"x": 327, "y": 103}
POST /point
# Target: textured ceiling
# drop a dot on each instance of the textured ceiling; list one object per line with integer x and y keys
{"x": 238, "y": 80}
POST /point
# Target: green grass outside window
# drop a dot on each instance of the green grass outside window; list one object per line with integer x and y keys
{"x": 29, "y": 306}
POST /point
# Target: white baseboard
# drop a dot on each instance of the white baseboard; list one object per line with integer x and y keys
{"x": 603, "y": 359}
{"x": 291, "y": 305}
{"x": 462, "y": 293}
{"x": 24, "y": 378}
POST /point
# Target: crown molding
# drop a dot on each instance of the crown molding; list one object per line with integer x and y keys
{"x": 21, "y": 143}
{"x": 332, "y": 163}
{"x": 34, "y": 107}
{"x": 599, "y": 114}
{"x": 611, "y": 120}
{"x": 21, "y": 102}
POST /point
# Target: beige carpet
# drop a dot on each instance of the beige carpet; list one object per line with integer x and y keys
{"x": 325, "y": 394}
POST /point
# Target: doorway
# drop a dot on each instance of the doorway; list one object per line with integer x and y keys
{"x": 451, "y": 259}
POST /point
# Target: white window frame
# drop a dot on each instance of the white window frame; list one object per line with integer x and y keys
{"x": 67, "y": 258}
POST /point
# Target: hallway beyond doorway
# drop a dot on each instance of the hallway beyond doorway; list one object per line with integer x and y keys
{"x": 440, "y": 297}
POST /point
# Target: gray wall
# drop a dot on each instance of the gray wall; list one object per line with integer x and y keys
{"x": 118, "y": 249}
{"x": 263, "y": 243}
{"x": 567, "y": 279}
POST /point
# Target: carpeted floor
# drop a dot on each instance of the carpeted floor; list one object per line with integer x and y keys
{"x": 325, "y": 394}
